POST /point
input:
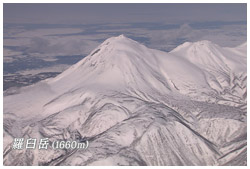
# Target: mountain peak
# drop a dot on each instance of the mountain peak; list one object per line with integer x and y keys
{"x": 203, "y": 44}
{"x": 117, "y": 43}
{"x": 113, "y": 54}
{"x": 121, "y": 37}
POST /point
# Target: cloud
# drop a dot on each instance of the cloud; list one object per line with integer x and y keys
{"x": 168, "y": 39}
{"x": 225, "y": 35}
{"x": 22, "y": 32}
{"x": 38, "y": 45}
{"x": 55, "y": 68}
{"x": 59, "y": 46}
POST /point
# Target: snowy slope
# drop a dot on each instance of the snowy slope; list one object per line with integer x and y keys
{"x": 137, "y": 106}
{"x": 224, "y": 69}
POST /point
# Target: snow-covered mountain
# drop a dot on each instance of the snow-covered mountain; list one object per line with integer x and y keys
{"x": 137, "y": 106}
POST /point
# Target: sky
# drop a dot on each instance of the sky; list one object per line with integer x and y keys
{"x": 40, "y": 38}
{"x": 122, "y": 13}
